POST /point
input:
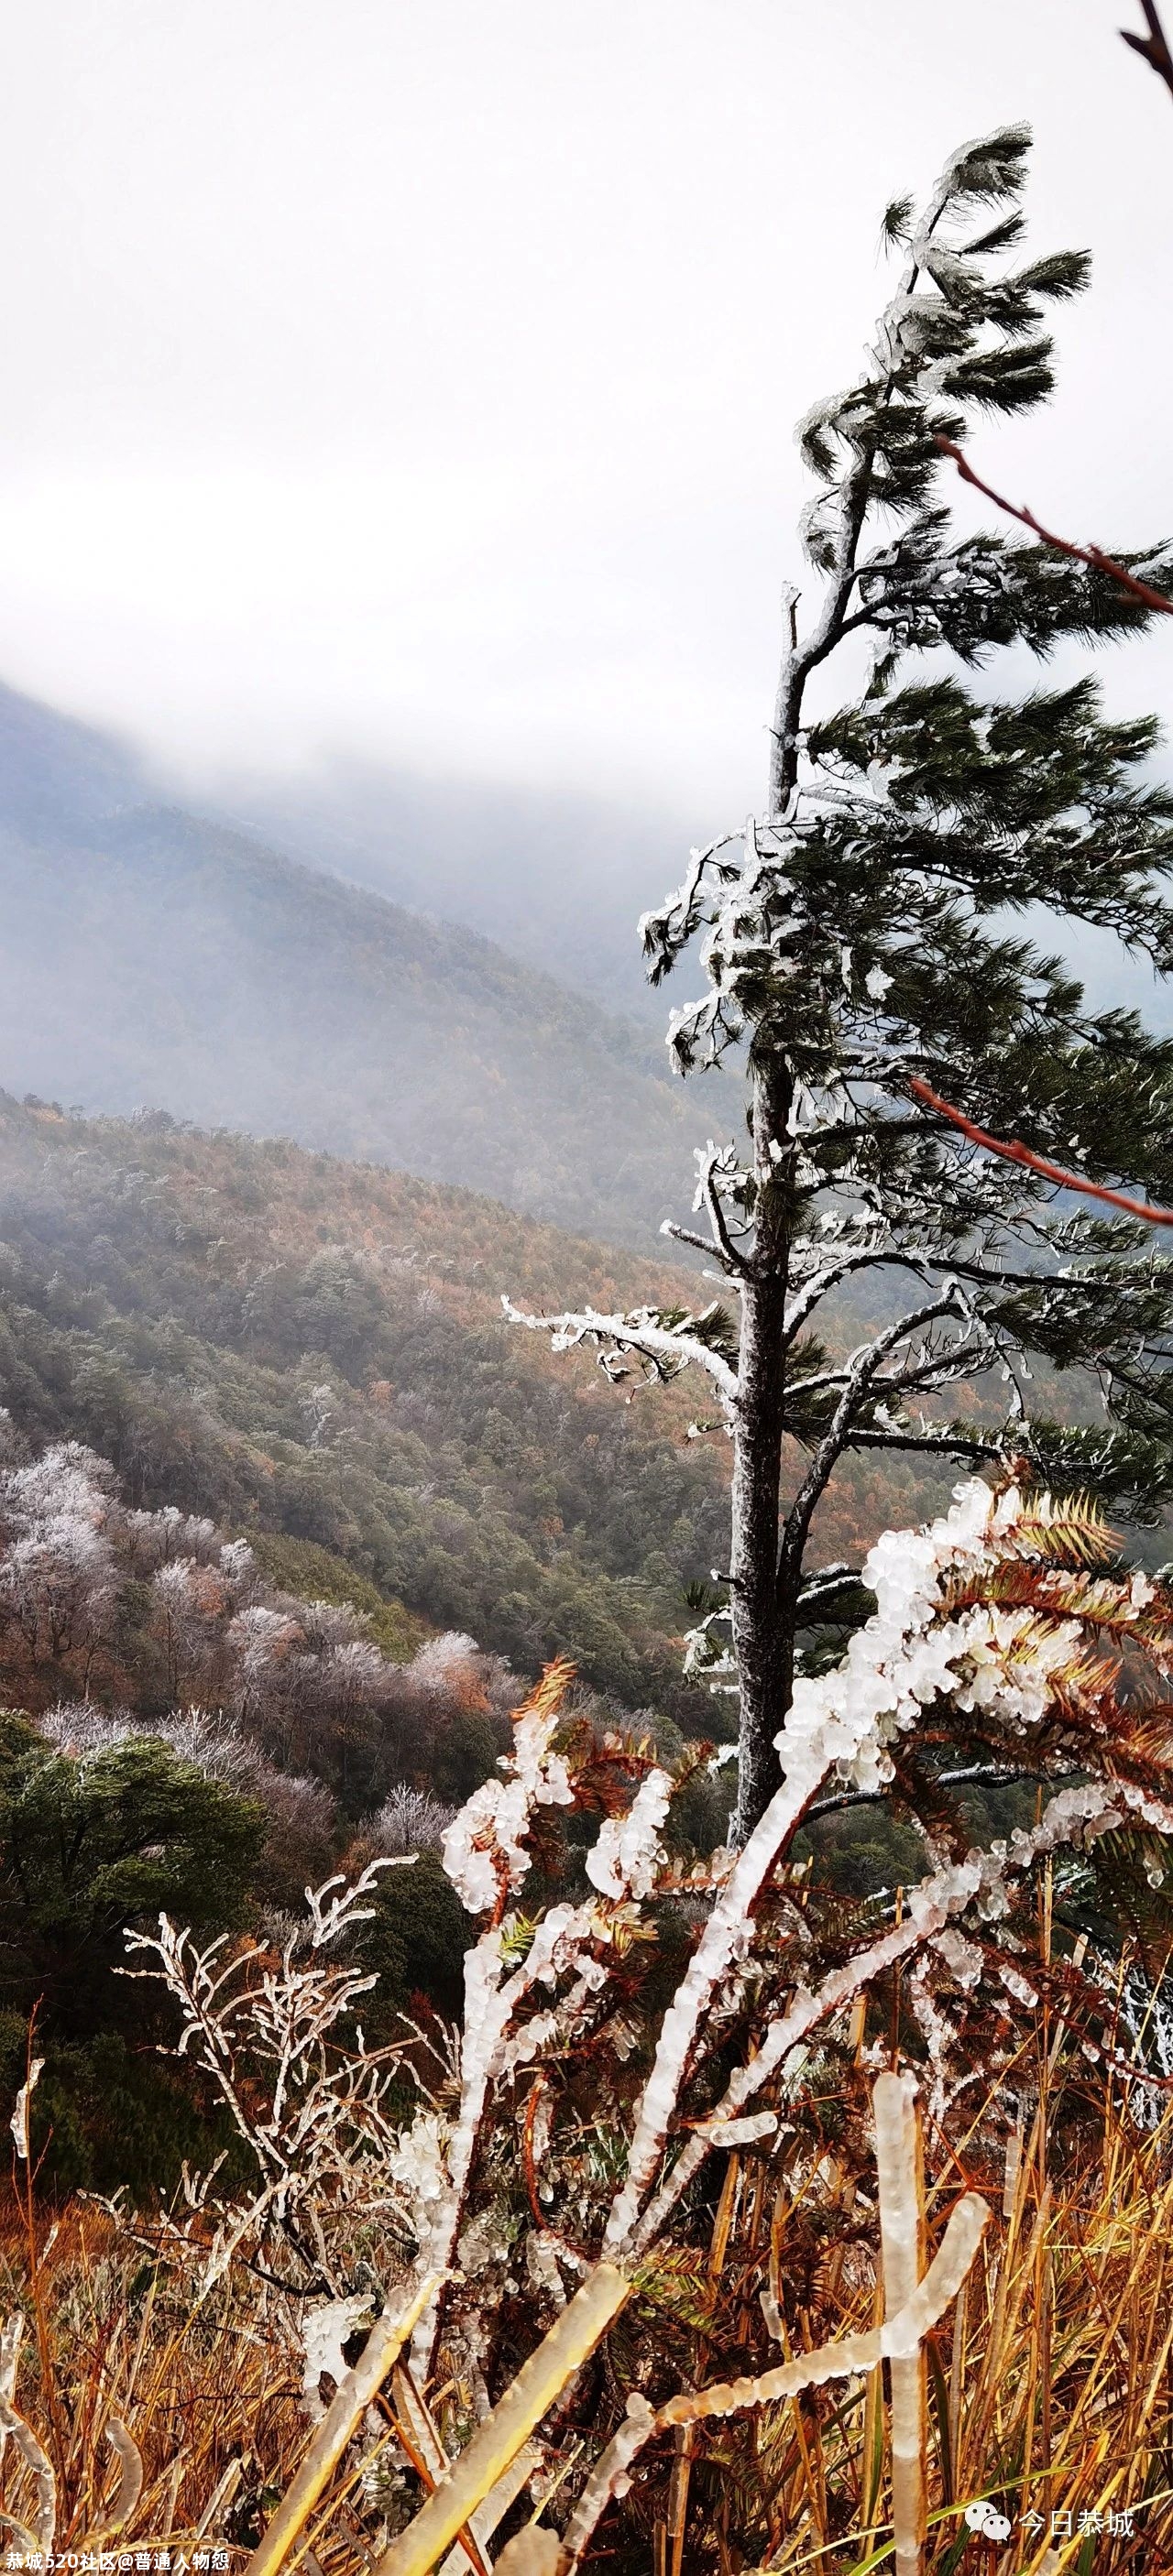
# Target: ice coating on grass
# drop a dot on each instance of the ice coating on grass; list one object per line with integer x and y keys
{"x": 484, "y": 1847}
{"x": 324, "y": 2330}
{"x": 908, "y": 1654}
{"x": 417, "y": 2163}
{"x": 628, "y": 1855}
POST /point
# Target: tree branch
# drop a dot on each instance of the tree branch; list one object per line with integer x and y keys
{"x": 720, "y": 1244}
{"x": 732, "y": 1264}
{"x": 971, "y": 1775}
{"x": 983, "y": 1275}
{"x": 1013, "y": 1152}
{"x": 829, "y": 1580}
{"x": 722, "y": 1239}
{"x": 1153, "y": 48}
{"x": 940, "y": 1444}
{"x": 857, "y": 488}
{"x": 1093, "y": 556}
{"x": 636, "y": 1333}
{"x": 863, "y": 1369}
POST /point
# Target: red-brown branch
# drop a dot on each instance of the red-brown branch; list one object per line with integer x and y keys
{"x": 1016, "y": 1153}
{"x": 1153, "y": 48}
{"x": 1093, "y": 556}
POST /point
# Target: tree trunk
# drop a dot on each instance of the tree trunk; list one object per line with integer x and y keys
{"x": 763, "y": 1642}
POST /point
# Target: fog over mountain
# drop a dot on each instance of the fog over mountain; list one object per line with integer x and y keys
{"x": 425, "y": 975}
{"x": 559, "y": 880}
{"x": 153, "y": 956}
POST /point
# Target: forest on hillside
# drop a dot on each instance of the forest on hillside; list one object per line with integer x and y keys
{"x": 290, "y": 1519}
{"x": 315, "y": 1351}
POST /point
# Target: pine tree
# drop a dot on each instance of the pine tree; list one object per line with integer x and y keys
{"x": 862, "y": 932}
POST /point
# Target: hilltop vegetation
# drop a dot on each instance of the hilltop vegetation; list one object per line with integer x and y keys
{"x": 178, "y": 1734}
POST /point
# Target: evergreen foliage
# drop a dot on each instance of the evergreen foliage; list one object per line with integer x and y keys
{"x": 90, "y": 1848}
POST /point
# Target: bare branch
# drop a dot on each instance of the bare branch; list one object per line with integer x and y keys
{"x": 723, "y": 1243}
{"x": 862, "y": 1371}
{"x": 1153, "y": 48}
{"x": 733, "y": 1264}
{"x": 811, "y": 1295}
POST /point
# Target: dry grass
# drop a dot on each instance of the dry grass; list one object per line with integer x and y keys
{"x": 1050, "y": 2388}
{"x": 209, "y": 2397}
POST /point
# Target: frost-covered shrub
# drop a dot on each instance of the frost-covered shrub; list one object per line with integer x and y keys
{"x": 89, "y": 1589}
{"x": 298, "y": 1813}
{"x": 410, "y": 1820}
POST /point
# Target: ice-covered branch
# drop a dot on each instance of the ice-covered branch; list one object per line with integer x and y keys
{"x": 914, "y": 1652}
{"x": 932, "y": 1444}
{"x": 1080, "y": 1816}
{"x": 822, "y": 1586}
{"x": 666, "y": 930}
{"x": 967, "y": 1775}
{"x": 487, "y": 1856}
{"x": 862, "y": 1372}
{"x": 914, "y": 2305}
{"x": 665, "y": 1346}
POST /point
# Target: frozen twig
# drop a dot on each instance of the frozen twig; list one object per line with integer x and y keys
{"x": 537, "y": 2387}
{"x": 898, "y": 2340}
{"x": 900, "y": 2174}
{"x": 352, "y": 2397}
{"x": 127, "y": 2492}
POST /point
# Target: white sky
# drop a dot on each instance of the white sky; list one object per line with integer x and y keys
{"x": 417, "y": 377}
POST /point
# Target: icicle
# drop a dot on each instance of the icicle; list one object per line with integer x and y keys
{"x": 901, "y": 2180}
{"x": 898, "y": 2339}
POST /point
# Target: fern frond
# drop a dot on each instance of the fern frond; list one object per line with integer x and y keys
{"x": 1059, "y": 1531}
{"x": 549, "y": 1691}
{"x": 678, "y": 2282}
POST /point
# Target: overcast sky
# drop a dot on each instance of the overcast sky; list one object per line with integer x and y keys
{"x": 417, "y": 377}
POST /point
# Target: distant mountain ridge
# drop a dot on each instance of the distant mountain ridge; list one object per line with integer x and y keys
{"x": 558, "y": 879}
{"x": 313, "y": 1353}
{"x": 151, "y": 956}
{"x": 57, "y": 774}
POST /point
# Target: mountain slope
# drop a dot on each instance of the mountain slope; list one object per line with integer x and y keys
{"x": 315, "y": 1350}
{"x": 306, "y": 1348}
{"x": 58, "y": 776}
{"x": 152, "y": 956}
